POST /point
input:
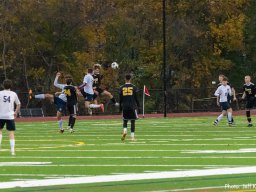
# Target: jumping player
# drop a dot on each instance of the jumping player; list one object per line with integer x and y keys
{"x": 7, "y": 114}
{"x": 98, "y": 91}
{"x": 59, "y": 99}
{"x": 249, "y": 91}
{"x": 128, "y": 105}
{"x": 86, "y": 90}
{"x": 222, "y": 92}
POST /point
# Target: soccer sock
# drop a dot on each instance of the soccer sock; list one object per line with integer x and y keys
{"x": 60, "y": 122}
{"x": 218, "y": 119}
{"x": 132, "y": 126}
{"x": 248, "y": 115}
{"x": 132, "y": 134}
{"x": 72, "y": 124}
{"x": 229, "y": 117}
{"x": 94, "y": 106}
{"x": 40, "y": 96}
{"x": 113, "y": 100}
{"x": 70, "y": 120}
{"x": 12, "y": 144}
{"x": 125, "y": 126}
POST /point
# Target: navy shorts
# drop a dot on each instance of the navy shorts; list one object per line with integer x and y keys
{"x": 10, "y": 124}
{"x": 72, "y": 109}
{"x": 60, "y": 104}
{"x": 87, "y": 96}
{"x": 225, "y": 106}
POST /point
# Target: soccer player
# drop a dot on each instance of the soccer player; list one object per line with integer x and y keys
{"x": 59, "y": 99}
{"x": 128, "y": 105}
{"x": 86, "y": 90}
{"x": 249, "y": 91}
{"x": 71, "y": 94}
{"x": 98, "y": 91}
{"x": 229, "y": 96}
{"x": 7, "y": 114}
{"x": 222, "y": 92}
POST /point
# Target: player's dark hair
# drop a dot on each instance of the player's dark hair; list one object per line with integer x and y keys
{"x": 90, "y": 70}
{"x": 7, "y": 84}
{"x": 69, "y": 81}
{"x": 225, "y": 78}
{"x": 128, "y": 77}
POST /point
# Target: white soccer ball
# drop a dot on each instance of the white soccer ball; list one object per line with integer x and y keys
{"x": 114, "y": 65}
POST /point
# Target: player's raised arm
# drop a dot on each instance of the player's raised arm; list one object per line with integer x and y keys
{"x": 56, "y": 83}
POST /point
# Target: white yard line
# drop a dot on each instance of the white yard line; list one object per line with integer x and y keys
{"x": 127, "y": 177}
{"x": 24, "y": 163}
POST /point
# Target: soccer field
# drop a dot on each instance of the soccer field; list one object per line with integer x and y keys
{"x": 172, "y": 154}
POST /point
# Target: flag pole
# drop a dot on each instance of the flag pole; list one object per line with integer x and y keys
{"x": 143, "y": 102}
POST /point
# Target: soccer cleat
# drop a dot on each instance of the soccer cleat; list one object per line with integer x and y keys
{"x": 123, "y": 136}
{"x": 133, "y": 139}
{"x": 71, "y": 130}
{"x": 102, "y": 107}
{"x": 117, "y": 104}
{"x": 249, "y": 125}
{"x": 215, "y": 123}
{"x": 230, "y": 125}
{"x": 13, "y": 153}
{"x": 61, "y": 131}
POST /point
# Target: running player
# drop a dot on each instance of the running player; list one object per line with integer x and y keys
{"x": 229, "y": 96}
{"x": 222, "y": 92}
{"x": 59, "y": 99}
{"x": 7, "y": 114}
{"x": 71, "y": 94}
{"x": 128, "y": 105}
{"x": 98, "y": 91}
{"x": 249, "y": 91}
{"x": 86, "y": 90}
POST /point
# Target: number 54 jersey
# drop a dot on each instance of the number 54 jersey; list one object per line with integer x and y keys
{"x": 7, "y": 100}
{"x": 128, "y": 97}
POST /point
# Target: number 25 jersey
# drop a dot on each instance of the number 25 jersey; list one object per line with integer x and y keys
{"x": 128, "y": 96}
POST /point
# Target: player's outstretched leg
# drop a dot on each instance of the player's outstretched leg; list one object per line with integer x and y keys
{"x": 94, "y": 106}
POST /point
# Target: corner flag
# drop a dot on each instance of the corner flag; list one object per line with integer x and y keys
{"x": 145, "y": 92}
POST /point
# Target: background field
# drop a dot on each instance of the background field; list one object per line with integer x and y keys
{"x": 171, "y": 144}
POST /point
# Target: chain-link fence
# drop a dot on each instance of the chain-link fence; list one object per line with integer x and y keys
{"x": 178, "y": 100}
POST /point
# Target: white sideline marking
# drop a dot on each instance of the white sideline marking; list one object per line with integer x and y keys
{"x": 127, "y": 177}
{"x": 23, "y": 163}
{"x": 250, "y": 150}
{"x": 191, "y": 189}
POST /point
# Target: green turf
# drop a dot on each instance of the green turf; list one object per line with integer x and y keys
{"x": 162, "y": 145}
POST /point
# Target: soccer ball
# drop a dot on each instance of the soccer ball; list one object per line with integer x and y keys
{"x": 114, "y": 65}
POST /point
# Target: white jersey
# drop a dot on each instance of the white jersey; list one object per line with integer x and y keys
{"x": 62, "y": 96}
{"x": 223, "y": 92}
{"x": 7, "y": 100}
{"x": 88, "y": 79}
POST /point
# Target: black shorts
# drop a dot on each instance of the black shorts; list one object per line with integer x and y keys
{"x": 250, "y": 103}
{"x": 225, "y": 106}
{"x": 10, "y": 124}
{"x": 99, "y": 90}
{"x": 72, "y": 109}
{"x": 130, "y": 114}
